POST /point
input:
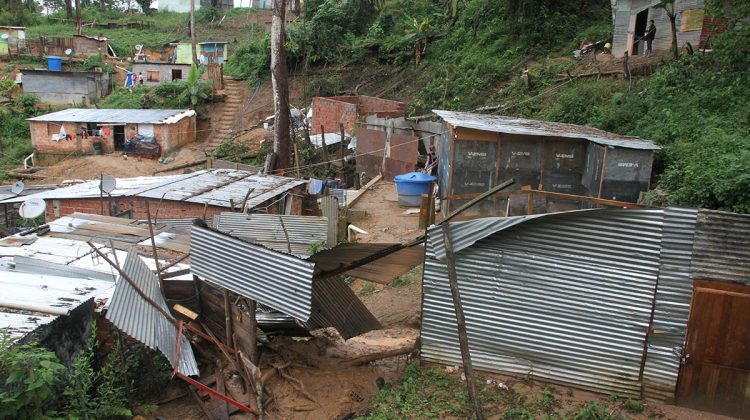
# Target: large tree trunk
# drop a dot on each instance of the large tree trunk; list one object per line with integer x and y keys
{"x": 672, "y": 21}
{"x": 192, "y": 32}
{"x": 78, "y": 17}
{"x": 69, "y": 9}
{"x": 280, "y": 82}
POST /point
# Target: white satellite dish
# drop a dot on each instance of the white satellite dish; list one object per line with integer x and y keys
{"x": 68, "y": 51}
{"x": 17, "y": 188}
{"x": 108, "y": 183}
{"x": 138, "y": 47}
{"x": 32, "y": 208}
{"x": 4, "y": 36}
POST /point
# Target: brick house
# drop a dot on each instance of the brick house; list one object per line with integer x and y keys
{"x": 346, "y": 110}
{"x": 58, "y": 134}
{"x": 201, "y": 194}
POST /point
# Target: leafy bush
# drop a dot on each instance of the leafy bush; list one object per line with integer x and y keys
{"x": 251, "y": 59}
{"x": 28, "y": 379}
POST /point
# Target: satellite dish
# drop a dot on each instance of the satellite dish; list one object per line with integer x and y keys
{"x": 32, "y": 208}
{"x": 138, "y": 47}
{"x": 4, "y": 36}
{"x": 108, "y": 183}
{"x": 68, "y": 51}
{"x": 17, "y": 188}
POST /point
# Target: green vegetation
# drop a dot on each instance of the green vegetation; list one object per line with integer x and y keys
{"x": 34, "y": 385}
{"x": 177, "y": 94}
{"x": 367, "y": 289}
{"x": 15, "y": 143}
{"x": 415, "y": 274}
{"x": 433, "y": 393}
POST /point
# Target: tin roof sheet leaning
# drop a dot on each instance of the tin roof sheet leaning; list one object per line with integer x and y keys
{"x": 382, "y": 270}
{"x": 136, "y": 317}
{"x": 297, "y": 235}
{"x": 116, "y": 116}
{"x": 565, "y": 296}
{"x": 512, "y": 125}
{"x": 278, "y": 280}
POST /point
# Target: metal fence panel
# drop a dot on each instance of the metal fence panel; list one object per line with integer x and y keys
{"x": 722, "y": 247}
{"x": 565, "y": 297}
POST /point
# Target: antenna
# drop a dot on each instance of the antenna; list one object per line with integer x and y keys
{"x": 108, "y": 183}
{"x": 17, "y": 188}
{"x": 32, "y": 208}
{"x": 4, "y": 36}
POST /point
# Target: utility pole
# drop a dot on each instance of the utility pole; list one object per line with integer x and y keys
{"x": 192, "y": 32}
{"x": 280, "y": 82}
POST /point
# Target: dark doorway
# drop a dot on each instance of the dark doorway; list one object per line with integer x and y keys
{"x": 716, "y": 367}
{"x": 119, "y": 131}
{"x": 176, "y": 74}
{"x": 92, "y": 129}
{"x": 641, "y": 21}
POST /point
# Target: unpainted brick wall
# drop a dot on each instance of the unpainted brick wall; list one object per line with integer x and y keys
{"x": 330, "y": 113}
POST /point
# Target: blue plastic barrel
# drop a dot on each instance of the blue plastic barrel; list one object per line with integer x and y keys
{"x": 54, "y": 63}
{"x": 410, "y": 186}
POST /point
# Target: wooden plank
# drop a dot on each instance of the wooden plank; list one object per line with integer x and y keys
{"x": 350, "y": 201}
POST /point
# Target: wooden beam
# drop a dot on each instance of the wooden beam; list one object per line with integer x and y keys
{"x": 473, "y": 202}
{"x": 361, "y": 191}
{"x": 463, "y": 340}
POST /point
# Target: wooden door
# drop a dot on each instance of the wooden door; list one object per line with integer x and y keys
{"x": 715, "y": 375}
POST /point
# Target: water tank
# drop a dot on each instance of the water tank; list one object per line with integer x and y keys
{"x": 410, "y": 186}
{"x": 54, "y": 63}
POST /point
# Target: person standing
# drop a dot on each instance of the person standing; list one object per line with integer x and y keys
{"x": 649, "y": 36}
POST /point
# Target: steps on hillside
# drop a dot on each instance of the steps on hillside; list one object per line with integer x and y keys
{"x": 224, "y": 128}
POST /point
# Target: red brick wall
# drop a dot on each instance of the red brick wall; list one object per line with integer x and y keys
{"x": 175, "y": 135}
{"x": 330, "y": 113}
{"x": 368, "y": 105}
{"x": 166, "y": 209}
{"x": 711, "y": 28}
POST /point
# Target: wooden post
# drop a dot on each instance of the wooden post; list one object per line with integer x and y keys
{"x": 463, "y": 340}
{"x": 192, "y": 32}
{"x": 153, "y": 247}
{"x": 252, "y": 352}
{"x": 530, "y": 204}
{"x": 431, "y": 204}
{"x": 101, "y": 195}
{"x": 324, "y": 147}
{"x": 228, "y": 318}
{"x": 341, "y": 152}
{"x": 424, "y": 211}
{"x": 296, "y": 157}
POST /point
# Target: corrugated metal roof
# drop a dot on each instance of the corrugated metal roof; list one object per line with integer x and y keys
{"x": 512, "y": 125}
{"x": 137, "y": 318}
{"x": 674, "y": 292}
{"x": 90, "y": 189}
{"x": 5, "y": 192}
{"x": 330, "y": 138}
{"x": 336, "y": 305}
{"x": 329, "y": 207}
{"x": 296, "y": 235}
{"x": 280, "y": 281}
{"x": 30, "y": 300}
{"x": 722, "y": 247}
{"x": 115, "y": 116}
{"x": 566, "y": 297}
{"x": 221, "y": 187}
{"x": 382, "y": 271}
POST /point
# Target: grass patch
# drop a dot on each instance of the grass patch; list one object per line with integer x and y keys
{"x": 367, "y": 289}
{"x": 408, "y": 278}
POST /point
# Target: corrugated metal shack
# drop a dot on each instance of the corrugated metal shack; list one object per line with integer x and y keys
{"x": 650, "y": 303}
{"x": 477, "y": 152}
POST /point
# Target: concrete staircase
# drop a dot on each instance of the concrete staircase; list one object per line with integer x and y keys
{"x": 225, "y": 128}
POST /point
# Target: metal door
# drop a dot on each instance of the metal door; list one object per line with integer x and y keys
{"x": 715, "y": 375}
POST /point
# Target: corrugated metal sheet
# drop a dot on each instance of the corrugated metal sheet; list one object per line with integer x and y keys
{"x": 304, "y": 232}
{"x": 90, "y": 189}
{"x": 565, "y": 297}
{"x": 672, "y": 305}
{"x": 336, "y": 305}
{"x": 382, "y": 270}
{"x": 280, "y": 281}
{"x": 512, "y": 125}
{"x": 37, "y": 266}
{"x": 329, "y": 207}
{"x": 122, "y": 116}
{"x": 722, "y": 247}
{"x": 30, "y": 300}
{"x": 222, "y": 187}
{"x": 129, "y": 312}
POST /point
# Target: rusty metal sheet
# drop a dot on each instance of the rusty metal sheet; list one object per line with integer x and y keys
{"x": 404, "y": 148}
